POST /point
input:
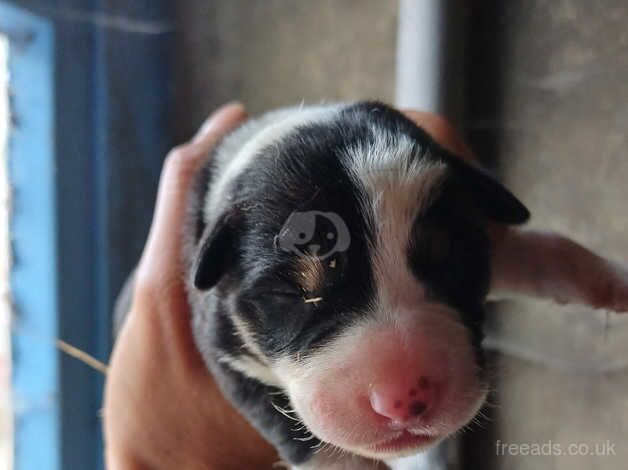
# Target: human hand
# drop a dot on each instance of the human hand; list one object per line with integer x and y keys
{"x": 538, "y": 263}
{"x": 162, "y": 408}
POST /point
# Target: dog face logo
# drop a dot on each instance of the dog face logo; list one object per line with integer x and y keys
{"x": 314, "y": 233}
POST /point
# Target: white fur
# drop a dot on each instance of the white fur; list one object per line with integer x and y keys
{"x": 399, "y": 186}
{"x": 252, "y": 368}
{"x": 271, "y": 128}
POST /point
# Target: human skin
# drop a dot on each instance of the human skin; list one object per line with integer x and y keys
{"x": 162, "y": 408}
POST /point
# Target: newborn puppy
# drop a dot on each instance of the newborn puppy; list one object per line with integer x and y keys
{"x": 338, "y": 262}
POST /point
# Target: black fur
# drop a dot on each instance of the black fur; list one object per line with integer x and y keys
{"x": 236, "y": 268}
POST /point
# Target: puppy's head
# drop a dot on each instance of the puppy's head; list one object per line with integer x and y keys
{"x": 351, "y": 253}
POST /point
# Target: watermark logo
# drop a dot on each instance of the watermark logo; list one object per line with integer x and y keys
{"x": 314, "y": 233}
{"x": 550, "y": 448}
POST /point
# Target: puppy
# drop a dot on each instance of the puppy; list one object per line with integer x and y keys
{"x": 338, "y": 263}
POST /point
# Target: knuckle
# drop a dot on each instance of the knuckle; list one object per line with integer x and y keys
{"x": 153, "y": 282}
{"x": 149, "y": 281}
{"x": 146, "y": 287}
{"x": 179, "y": 155}
{"x": 180, "y": 163}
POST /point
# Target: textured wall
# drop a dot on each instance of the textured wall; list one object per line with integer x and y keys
{"x": 550, "y": 106}
{"x": 271, "y": 53}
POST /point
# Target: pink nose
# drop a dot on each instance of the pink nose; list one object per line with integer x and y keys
{"x": 403, "y": 402}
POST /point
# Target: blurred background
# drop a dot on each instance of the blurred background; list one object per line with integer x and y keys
{"x": 93, "y": 93}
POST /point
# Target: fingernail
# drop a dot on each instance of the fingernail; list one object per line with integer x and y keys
{"x": 211, "y": 120}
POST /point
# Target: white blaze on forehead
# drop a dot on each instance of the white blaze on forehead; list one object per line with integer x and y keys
{"x": 272, "y": 128}
{"x": 401, "y": 327}
{"x": 398, "y": 185}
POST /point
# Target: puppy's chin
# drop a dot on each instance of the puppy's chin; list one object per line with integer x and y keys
{"x": 412, "y": 441}
{"x": 388, "y": 390}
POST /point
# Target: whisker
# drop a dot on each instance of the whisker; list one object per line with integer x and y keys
{"x": 320, "y": 446}
{"x": 285, "y": 412}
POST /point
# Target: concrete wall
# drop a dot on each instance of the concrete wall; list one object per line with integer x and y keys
{"x": 271, "y": 53}
{"x": 550, "y": 107}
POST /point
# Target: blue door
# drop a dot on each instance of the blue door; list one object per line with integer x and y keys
{"x": 90, "y": 106}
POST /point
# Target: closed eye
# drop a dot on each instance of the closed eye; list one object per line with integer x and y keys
{"x": 282, "y": 289}
{"x": 284, "y": 293}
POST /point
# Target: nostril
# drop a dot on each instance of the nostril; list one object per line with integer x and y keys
{"x": 417, "y": 408}
{"x": 402, "y": 402}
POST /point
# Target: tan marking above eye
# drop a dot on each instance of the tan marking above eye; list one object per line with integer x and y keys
{"x": 310, "y": 273}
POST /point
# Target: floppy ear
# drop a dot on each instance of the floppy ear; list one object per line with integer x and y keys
{"x": 216, "y": 252}
{"x": 488, "y": 194}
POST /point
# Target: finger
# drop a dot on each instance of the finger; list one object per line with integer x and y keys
{"x": 442, "y": 132}
{"x": 204, "y": 139}
{"x": 163, "y": 248}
